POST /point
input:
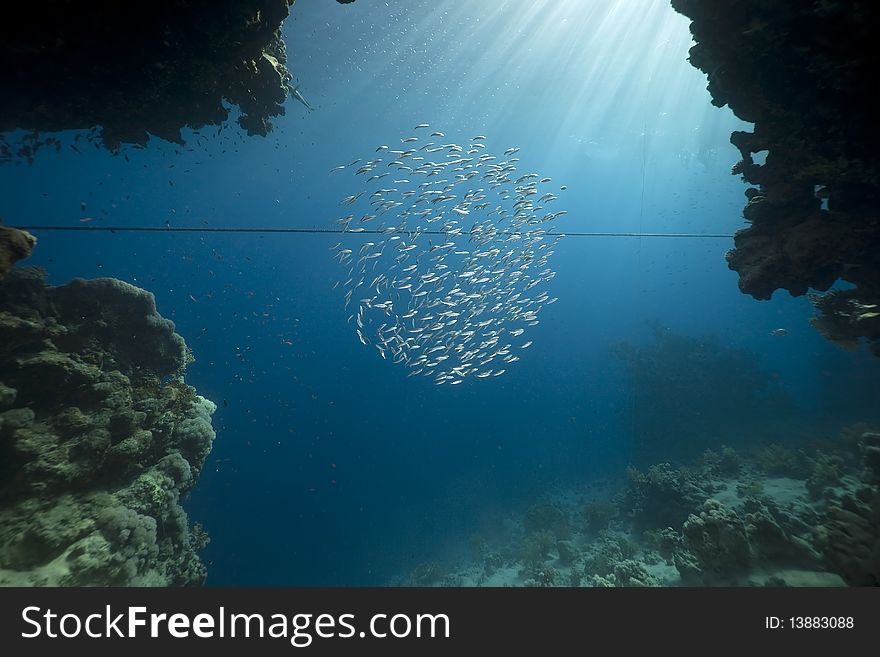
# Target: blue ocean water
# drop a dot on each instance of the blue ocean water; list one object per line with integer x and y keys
{"x": 331, "y": 466}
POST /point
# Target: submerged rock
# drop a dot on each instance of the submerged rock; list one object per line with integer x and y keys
{"x": 663, "y": 496}
{"x": 850, "y": 534}
{"x": 716, "y": 546}
{"x": 137, "y": 72}
{"x": 15, "y": 245}
{"x": 800, "y": 72}
{"x": 100, "y": 437}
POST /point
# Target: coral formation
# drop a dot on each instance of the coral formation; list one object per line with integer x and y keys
{"x": 806, "y": 515}
{"x": 715, "y": 547}
{"x": 774, "y": 459}
{"x": 631, "y": 573}
{"x": 598, "y": 514}
{"x": 610, "y": 562}
{"x": 536, "y": 548}
{"x": 725, "y": 462}
{"x": 850, "y": 535}
{"x": 827, "y": 471}
{"x": 100, "y": 437}
{"x": 606, "y": 552}
{"x": 541, "y": 577}
{"x": 546, "y": 518}
{"x": 666, "y": 542}
{"x": 782, "y": 536}
{"x": 15, "y": 245}
{"x": 663, "y": 496}
{"x": 136, "y": 73}
{"x": 720, "y": 545}
{"x": 798, "y": 71}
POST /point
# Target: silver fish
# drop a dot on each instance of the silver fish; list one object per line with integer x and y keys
{"x": 294, "y": 91}
{"x": 443, "y": 306}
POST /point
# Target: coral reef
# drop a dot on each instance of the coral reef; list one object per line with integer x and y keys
{"x": 715, "y": 547}
{"x": 827, "y": 471}
{"x": 541, "y": 577}
{"x": 536, "y": 547}
{"x": 806, "y": 515}
{"x": 136, "y": 73}
{"x": 666, "y": 542}
{"x": 15, "y": 245}
{"x": 721, "y": 545}
{"x": 690, "y": 393}
{"x": 779, "y": 535}
{"x": 100, "y": 437}
{"x": 610, "y": 562}
{"x": 799, "y": 72}
{"x": 546, "y": 517}
{"x": 663, "y": 496}
{"x": 725, "y": 462}
{"x": 598, "y": 514}
{"x": 850, "y": 535}
{"x": 774, "y": 459}
{"x": 632, "y": 573}
{"x": 609, "y": 549}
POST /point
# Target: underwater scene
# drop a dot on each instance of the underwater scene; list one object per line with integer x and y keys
{"x": 578, "y": 293}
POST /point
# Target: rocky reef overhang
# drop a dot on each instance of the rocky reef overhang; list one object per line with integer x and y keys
{"x": 135, "y": 70}
{"x": 802, "y": 72}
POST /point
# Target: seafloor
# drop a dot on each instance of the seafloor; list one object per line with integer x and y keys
{"x": 771, "y": 516}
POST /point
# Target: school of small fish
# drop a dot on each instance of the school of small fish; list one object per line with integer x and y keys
{"x": 457, "y": 264}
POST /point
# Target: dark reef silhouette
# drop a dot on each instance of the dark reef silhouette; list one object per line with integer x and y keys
{"x": 137, "y": 71}
{"x": 802, "y": 73}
